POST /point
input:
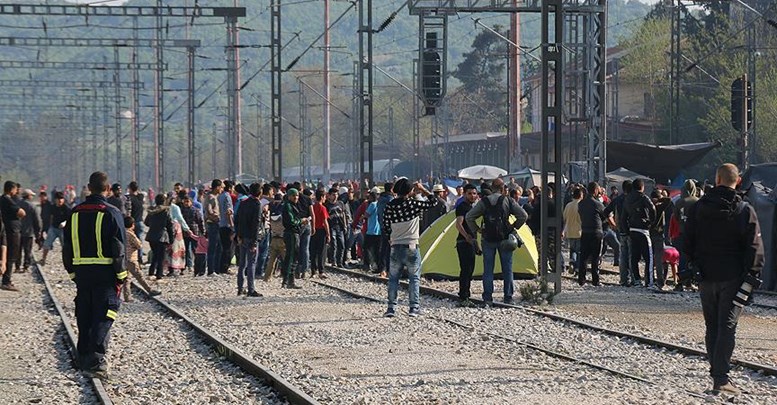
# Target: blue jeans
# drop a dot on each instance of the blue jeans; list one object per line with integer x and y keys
{"x": 611, "y": 239}
{"x": 489, "y": 261}
{"x": 574, "y": 252}
{"x": 246, "y": 262}
{"x": 337, "y": 246}
{"x": 191, "y": 246}
{"x": 261, "y": 260}
{"x": 624, "y": 260}
{"x": 303, "y": 259}
{"x": 404, "y": 257}
{"x": 139, "y": 232}
{"x": 214, "y": 249}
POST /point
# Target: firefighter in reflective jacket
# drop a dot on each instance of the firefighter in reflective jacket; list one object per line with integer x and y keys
{"x": 93, "y": 254}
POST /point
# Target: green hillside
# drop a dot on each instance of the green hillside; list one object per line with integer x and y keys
{"x": 395, "y": 48}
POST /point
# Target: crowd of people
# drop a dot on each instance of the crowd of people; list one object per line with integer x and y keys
{"x": 705, "y": 235}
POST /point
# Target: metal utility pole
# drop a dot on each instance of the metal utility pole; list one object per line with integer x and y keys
{"x": 327, "y": 108}
{"x": 135, "y": 105}
{"x": 234, "y": 142}
{"x": 391, "y": 140}
{"x": 159, "y": 117}
{"x": 514, "y": 95}
{"x": 190, "y": 117}
{"x": 276, "y": 76}
{"x": 356, "y": 102}
{"x": 416, "y": 122}
{"x": 744, "y": 162}
{"x": 552, "y": 115}
{"x": 675, "y": 71}
{"x": 117, "y": 111}
{"x": 304, "y": 155}
{"x": 215, "y": 146}
{"x": 366, "y": 92}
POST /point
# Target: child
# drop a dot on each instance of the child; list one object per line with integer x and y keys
{"x": 672, "y": 259}
{"x": 200, "y": 254}
{"x": 133, "y": 245}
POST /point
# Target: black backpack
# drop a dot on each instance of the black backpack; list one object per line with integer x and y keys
{"x": 495, "y": 226}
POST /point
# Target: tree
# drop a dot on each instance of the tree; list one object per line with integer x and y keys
{"x": 480, "y": 104}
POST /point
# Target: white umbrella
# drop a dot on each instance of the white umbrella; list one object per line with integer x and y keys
{"x": 478, "y": 172}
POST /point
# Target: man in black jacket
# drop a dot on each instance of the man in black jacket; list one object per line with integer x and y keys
{"x": 640, "y": 213}
{"x": 250, "y": 233}
{"x": 591, "y": 217}
{"x": 624, "y": 237}
{"x": 722, "y": 241}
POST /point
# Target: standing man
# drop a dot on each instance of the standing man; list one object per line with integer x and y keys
{"x": 723, "y": 241}
{"x": 30, "y": 230}
{"x": 12, "y": 215}
{"x": 45, "y": 207}
{"x": 292, "y": 227}
{"x": 624, "y": 237}
{"x": 306, "y": 232}
{"x": 57, "y": 219}
{"x": 118, "y": 200}
{"x": 439, "y": 210}
{"x": 264, "y": 245}
{"x": 591, "y": 217}
{"x": 136, "y": 199}
{"x": 371, "y": 226}
{"x": 321, "y": 237}
{"x": 193, "y": 218}
{"x": 212, "y": 215}
{"x": 640, "y": 213}
{"x": 466, "y": 244}
{"x": 226, "y": 227}
{"x": 250, "y": 233}
{"x": 496, "y": 209}
{"x": 338, "y": 223}
{"x": 401, "y": 222}
{"x": 573, "y": 229}
{"x": 93, "y": 255}
{"x": 687, "y": 200}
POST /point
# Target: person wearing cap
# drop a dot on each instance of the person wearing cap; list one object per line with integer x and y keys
{"x": 401, "y": 223}
{"x": 118, "y": 200}
{"x": 30, "y": 231}
{"x": 438, "y": 210}
{"x": 292, "y": 228}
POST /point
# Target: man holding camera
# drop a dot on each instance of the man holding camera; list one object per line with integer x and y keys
{"x": 723, "y": 244}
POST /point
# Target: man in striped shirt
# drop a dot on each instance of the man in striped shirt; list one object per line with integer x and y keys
{"x": 401, "y": 222}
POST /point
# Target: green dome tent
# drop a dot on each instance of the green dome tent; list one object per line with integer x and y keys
{"x": 438, "y": 247}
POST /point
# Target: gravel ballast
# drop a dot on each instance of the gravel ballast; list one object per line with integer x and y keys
{"x": 671, "y": 370}
{"x": 34, "y": 356}
{"x": 158, "y": 359}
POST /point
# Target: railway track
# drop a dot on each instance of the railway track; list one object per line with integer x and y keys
{"x": 203, "y": 349}
{"x": 754, "y": 304}
{"x": 99, "y": 389}
{"x": 658, "y": 343}
{"x": 512, "y": 339}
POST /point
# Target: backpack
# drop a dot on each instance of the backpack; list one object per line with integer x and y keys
{"x": 495, "y": 227}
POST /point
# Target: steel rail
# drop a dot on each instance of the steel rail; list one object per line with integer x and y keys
{"x": 759, "y": 292}
{"x": 752, "y": 304}
{"x": 549, "y": 352}
{"x": 291, "y": 392}
{"x": 758, "y": 367}
{"x": 99, "y": 388}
